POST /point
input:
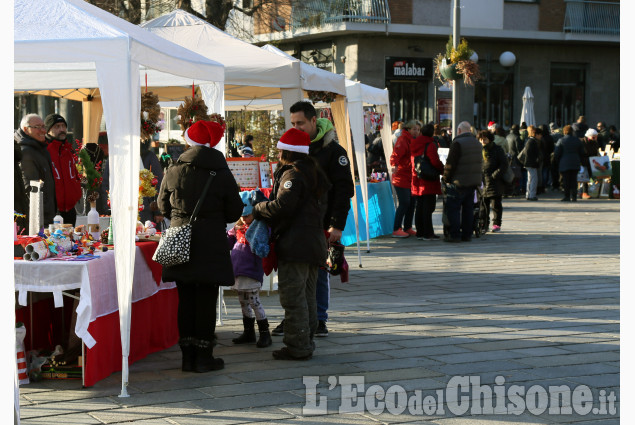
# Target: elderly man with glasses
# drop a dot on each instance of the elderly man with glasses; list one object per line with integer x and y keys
{"x": 36, "y": 161}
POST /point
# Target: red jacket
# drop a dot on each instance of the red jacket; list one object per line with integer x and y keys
{"x": 400, "y": 158}
{"x": 420, "y": 186}
{"x": 68, "y": 187}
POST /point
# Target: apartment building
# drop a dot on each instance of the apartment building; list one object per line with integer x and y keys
{"x": 566, "y": 51}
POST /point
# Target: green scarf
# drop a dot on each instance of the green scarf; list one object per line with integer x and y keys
{"x": 323, "y": 126}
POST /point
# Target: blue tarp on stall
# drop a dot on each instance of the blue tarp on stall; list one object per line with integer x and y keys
{"x": 381, "y": 210}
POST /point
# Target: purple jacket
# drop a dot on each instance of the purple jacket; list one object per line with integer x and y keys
{"x": 245, "y": 262}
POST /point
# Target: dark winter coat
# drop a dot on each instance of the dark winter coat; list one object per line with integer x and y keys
{"x": 568, "y": 153}
{"x": 494, "y": 167}
{"x": 579, "y": 129}
{"x": 465, "y": 161}
{"x": 36, "y": 165}
{"x": 333, "y": 160}
{"x": 295, "y": 215}
{"x": 590, "y": 149}
{"x": 420, "y": 186}
{"x": 181, "y": 188}
{"x": 68, "y": 186}
{"x": 532, "y": 149}
{"x": 150, "y": 162}
{"x": 20, "y": 198}
{"x": 400, "y": 159}
{"x": 515, "y": 145}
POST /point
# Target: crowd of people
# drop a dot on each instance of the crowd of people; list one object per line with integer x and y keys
{"x": 308, "y": 207}
{"x": 527, "y": 161}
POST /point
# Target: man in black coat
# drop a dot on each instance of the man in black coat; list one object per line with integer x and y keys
{"x": 461, "y": 175}
{"x": 333, "y": 160}
{"x": 36, "y": 162}
{"x": 20, "y": 198}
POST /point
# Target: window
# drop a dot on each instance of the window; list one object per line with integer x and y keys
{"x": 567, "y": 94}
{"x": 408, "y": 100}
{"x": 493, "y": 96}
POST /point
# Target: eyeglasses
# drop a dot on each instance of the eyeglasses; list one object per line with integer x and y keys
{"x": 37, "y": 127}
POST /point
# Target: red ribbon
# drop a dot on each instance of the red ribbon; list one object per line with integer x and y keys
{"x": 193, "y": 91}
{"x": 146, "y": 83}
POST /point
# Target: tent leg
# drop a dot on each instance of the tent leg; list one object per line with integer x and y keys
{"x": 124, "y": 374}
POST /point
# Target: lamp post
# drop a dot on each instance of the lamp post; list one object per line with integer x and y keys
{"x": 456, "y": 34}
{"x": 507, "y": 60}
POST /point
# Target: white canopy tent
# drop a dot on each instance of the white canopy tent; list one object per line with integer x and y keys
{"x": 70, "y": 44}
{"x": 251, "y": 73}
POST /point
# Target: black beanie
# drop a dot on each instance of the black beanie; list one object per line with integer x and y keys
{"x": 53, "y": 119}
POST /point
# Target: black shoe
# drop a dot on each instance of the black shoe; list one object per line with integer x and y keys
{"x": 466, "y": 239}
{"x": 451, "y": 240}
{"x": 205, "y": 361}
{"x": 265, "y": 337}
{"x": 321, "y": 329}
{"x": 188, "y": 352}
{"x": 279, "y": 330}
{"x": 249, "y": 333}
{"x": 283, "y": 354}
{"x": 565, "y": 200}
{"x": 532, "y": 199}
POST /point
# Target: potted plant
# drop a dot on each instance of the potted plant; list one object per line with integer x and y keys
{"x": 456, "y": 63}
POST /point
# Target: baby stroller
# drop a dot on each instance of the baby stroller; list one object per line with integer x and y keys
{"x": 481, "y": 218}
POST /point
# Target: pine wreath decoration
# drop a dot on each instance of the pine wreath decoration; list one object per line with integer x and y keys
{"x": 191, "y": 110}
{"x": 150, "y": 111}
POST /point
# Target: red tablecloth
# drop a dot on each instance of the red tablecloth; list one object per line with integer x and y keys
{"x": 148, "y": 248}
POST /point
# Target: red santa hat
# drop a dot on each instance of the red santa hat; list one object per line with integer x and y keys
{"x": 204, "y": 133}
{"x": 491, "y": 125}
{"x": 295, "y": 140}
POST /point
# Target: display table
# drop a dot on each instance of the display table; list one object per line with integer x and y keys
{"x": 381, "y": 212}
{"x": 154, "y": 308}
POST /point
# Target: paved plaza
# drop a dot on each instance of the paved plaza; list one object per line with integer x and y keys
{"x": 515, "y": 313}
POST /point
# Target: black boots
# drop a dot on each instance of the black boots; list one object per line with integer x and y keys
{"x": 189, "y": 354}
{"x": 249, "y": 334}
{"x": 197, "y": 356}
{"x": 265, "y": 336}
{"x": 205, "y": 361}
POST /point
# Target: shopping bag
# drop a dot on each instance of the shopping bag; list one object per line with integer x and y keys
{"x": 583, "y": 175}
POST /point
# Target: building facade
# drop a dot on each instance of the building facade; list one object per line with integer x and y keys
{"x": 567, "y": 52}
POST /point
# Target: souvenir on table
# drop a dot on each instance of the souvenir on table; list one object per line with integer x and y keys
{"x": 600, "y": 166}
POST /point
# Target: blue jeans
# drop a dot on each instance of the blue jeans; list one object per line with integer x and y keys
{"x": 322, "y": 294}
{"x": 406, "y": 209}
{"x": 459, "y": 205}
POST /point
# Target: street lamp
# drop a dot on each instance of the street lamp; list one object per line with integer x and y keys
{"x": 507, "y": 60}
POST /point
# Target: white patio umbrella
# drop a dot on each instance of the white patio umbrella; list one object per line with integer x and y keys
{"x": 527, "y": 114}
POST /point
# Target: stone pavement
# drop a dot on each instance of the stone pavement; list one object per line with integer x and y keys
{"x": 534, "y": 306}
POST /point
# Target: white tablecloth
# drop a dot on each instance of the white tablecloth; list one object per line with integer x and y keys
{"x": 95, "y": 279}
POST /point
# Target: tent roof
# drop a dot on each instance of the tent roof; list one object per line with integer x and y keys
{"x": 314, "y": 78}
{"x": 356, "y": 91}
{"x": 57, "y": 42}
{"x": 245, "y": 64}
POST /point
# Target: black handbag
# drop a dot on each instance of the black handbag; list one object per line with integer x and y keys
{"x": 174, "y": 245}
{"x": 424, "y": 169}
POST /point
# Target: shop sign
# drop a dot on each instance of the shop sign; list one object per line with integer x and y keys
{"x": 408, "y": 68}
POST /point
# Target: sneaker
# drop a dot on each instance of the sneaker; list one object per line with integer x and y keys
{"x": 400, "y": 234}
{"x": 321, "y": 329}
{"x": 279, "y": 330}
{"x": 429, "y": 238}
{"x": 586, "y": 196}
{"x": 496, "y": 228}
{"x": 411, "y": 232}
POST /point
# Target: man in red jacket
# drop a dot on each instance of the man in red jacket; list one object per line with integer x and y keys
{"x": 68, "y": 188}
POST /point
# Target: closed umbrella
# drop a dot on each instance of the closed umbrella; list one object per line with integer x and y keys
{"x": 527, "y": 115}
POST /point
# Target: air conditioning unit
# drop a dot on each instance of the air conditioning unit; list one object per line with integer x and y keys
{"x": 278, "y": 23}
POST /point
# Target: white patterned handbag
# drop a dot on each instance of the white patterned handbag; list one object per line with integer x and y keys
{"x": 174, "y": 245}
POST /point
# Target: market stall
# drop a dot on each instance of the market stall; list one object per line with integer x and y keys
{"x": 65, "y": 44}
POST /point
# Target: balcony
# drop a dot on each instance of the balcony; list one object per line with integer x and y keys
{"x": 592, "y": 17}
{"x": 315, "y": 13}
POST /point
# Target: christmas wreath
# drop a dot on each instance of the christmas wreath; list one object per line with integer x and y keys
{"x": 150, "y": 111}
{"x": 321, "y": 96}
{"x": 191, "y": 110}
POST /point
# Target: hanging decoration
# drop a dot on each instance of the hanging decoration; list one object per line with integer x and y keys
{"x": 150, "y": 111}
{"x": 316, "y": 96}
{"x": 191, "y": 110}
{"x": 373, "y": 121}
{"x": 90, "y": 174}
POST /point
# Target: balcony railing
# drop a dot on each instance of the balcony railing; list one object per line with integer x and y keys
{"x": 314, "y": 13}
{"x": 592, "y": 17}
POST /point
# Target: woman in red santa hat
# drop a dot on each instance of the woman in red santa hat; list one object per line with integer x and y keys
{"x": 210, "y": 264}
{"x": 295, "y": 216}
